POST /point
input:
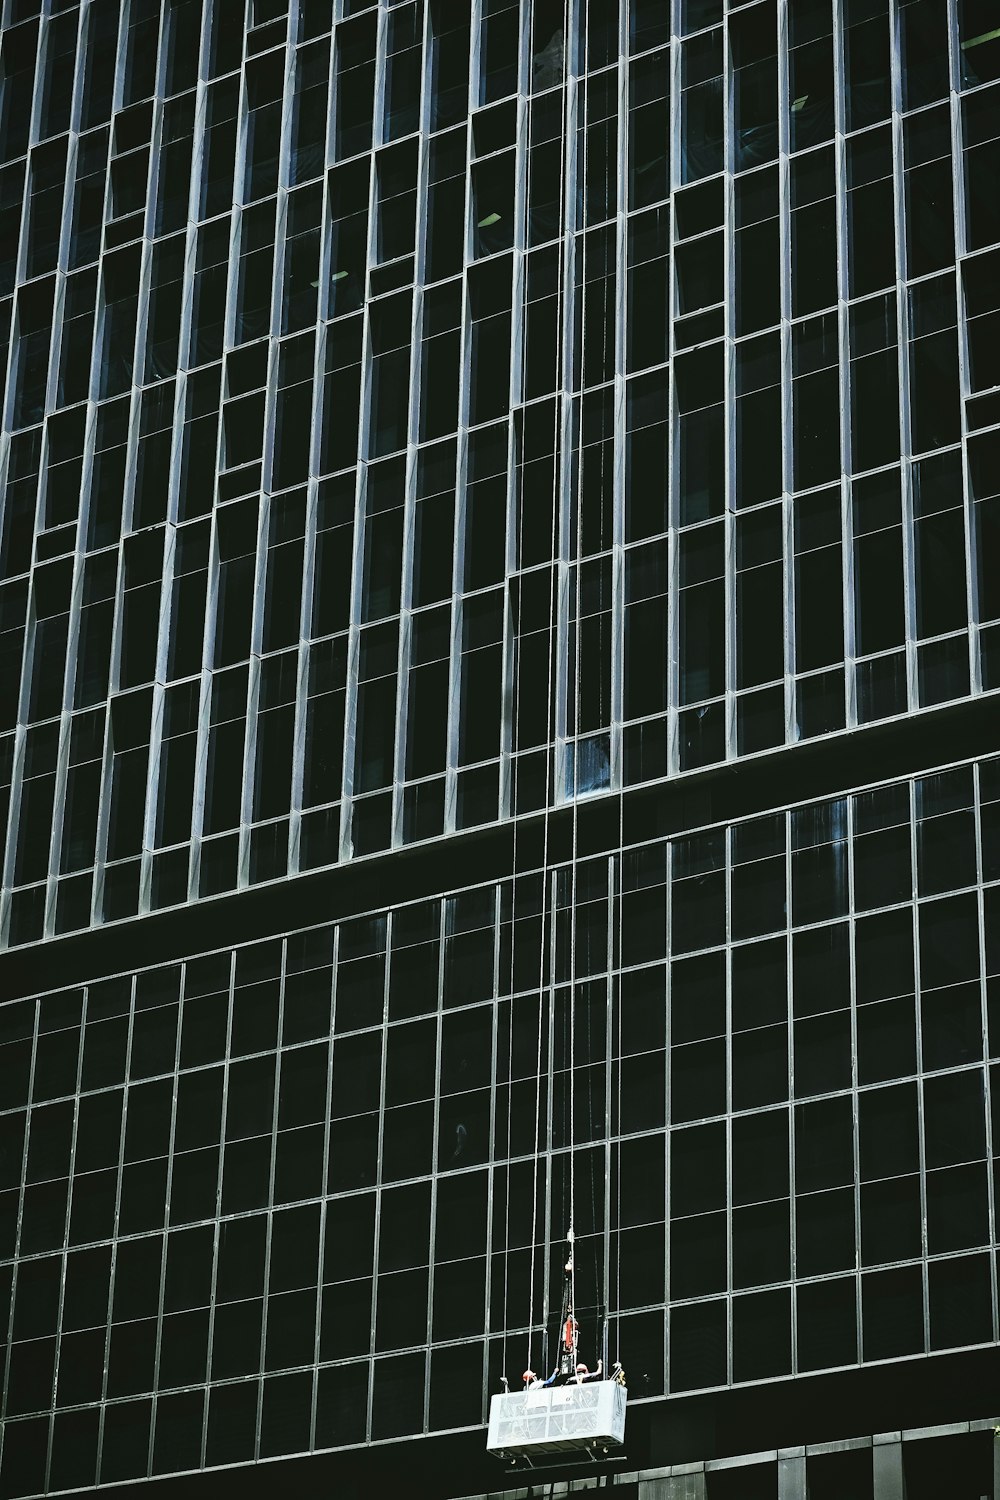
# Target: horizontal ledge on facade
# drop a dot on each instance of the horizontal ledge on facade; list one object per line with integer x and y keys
{"x": 950, "y": 1429}
{"x": 742, "y": 1460}
{"x": 838, "y": 1445}
{"x": 810, "y": 771}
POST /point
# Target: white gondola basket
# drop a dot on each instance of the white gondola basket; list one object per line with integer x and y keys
{"x": 560, "y": 1419}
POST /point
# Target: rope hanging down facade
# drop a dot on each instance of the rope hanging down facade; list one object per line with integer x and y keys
{"x": 567, "y": 525}
{"x": 547, "y": 895}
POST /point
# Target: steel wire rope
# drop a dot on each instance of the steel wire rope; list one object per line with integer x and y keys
{"x": 618, "y": 1081}
{"x": 510, "y": 1016}
{"x": 515, "y": 697}
{"x": 598, "y": 1283}
{"x": 549, "y": 704}
{"x": 575, "y": 790}
{"x": 577, "y": 660}
{"x": 593, "y": 1185}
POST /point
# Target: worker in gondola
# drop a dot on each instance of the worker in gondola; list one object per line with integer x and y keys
{"x": 581, "y": 1375}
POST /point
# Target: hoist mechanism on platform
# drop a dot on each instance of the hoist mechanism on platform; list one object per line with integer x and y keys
{"x": 573, "y": 1411}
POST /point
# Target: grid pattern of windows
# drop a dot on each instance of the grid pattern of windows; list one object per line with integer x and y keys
{"x": 285, "y": 1196}
{"x": 417, "y": 413}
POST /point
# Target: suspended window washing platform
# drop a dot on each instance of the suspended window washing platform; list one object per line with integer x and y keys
{"x": 558, "y": 1420}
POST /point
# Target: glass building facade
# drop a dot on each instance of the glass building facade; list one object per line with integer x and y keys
{"x": 499, "y": 628}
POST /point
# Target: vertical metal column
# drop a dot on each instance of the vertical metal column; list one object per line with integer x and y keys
{"x": 792, "y": 1474}
{"x": 674, "y": 1487}
{"x": 887, "y": 1466}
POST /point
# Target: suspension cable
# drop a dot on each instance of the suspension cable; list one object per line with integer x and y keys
{"x": 548, "y": 897}
{"x": 580, "y": 237}
{"x": 618, "y": 1102}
